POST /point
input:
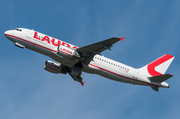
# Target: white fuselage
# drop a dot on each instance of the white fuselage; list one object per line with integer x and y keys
{"x": 100, "y": 65}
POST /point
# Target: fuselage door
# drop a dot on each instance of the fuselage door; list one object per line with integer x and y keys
{"x": 136, "y": 73}
{"x": 29, "y": 34}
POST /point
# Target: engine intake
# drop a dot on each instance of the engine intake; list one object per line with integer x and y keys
{"x": 54, "y": 67}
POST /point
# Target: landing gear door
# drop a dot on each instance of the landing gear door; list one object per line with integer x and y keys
{"x": 29, "y": 34}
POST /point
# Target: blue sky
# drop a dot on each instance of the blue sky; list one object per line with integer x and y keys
{"x": 151, "y": 29}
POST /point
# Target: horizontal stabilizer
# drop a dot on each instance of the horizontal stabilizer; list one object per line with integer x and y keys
{"x": 155, "y": 88}
{"x": 160, "y": 78}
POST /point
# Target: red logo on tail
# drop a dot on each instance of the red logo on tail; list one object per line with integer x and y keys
{"x": 152, "y": 65}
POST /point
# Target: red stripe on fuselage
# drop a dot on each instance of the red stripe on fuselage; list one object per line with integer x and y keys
{"x": 123, "y": 76}
{"x": 31, "y": 42}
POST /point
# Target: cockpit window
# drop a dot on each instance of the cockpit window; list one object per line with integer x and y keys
{"x": 18, "y": 29}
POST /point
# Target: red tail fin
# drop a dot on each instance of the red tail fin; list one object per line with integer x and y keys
{"x": 159, "y": 66}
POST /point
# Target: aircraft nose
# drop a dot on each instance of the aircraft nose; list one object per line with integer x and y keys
{"x": 6, "y": 33}
{"x": 9, "y": 33}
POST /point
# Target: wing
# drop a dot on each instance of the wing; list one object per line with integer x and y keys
{"x": 87, "y": 52}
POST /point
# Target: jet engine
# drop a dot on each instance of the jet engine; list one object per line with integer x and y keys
{"x": 54, "y": 67}
{"x": 67, "y": 52}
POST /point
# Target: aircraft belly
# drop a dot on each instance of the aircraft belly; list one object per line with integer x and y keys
{"x": 36, "y": 48}
{"x": 89, "y": 69}
{"x": 114, "y": 74}
{"x": 12, "y": 38}
{"x": 53, "y": 55}
{"x": 119, "y": 78}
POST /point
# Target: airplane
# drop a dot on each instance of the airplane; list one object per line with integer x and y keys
{"x": 75, "y": 60}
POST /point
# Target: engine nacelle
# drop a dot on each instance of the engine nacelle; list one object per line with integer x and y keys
{"x": 67, "y": 52}
{"x": 54, "y": 67}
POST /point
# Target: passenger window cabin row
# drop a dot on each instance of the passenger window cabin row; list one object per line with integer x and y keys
{"x": 112, "y": 63}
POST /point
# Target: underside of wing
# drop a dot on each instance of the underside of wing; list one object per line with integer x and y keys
{"x": 87, "y": 52}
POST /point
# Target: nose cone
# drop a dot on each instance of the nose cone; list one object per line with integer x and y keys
{"x": 7, "y": 33}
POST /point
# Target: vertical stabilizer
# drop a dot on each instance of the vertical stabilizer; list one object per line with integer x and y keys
{"x": 159, "y": 66}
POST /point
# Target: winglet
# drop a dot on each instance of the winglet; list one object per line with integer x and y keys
{"x": 121, "y": 38}
{"x": 83, "y": 83}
